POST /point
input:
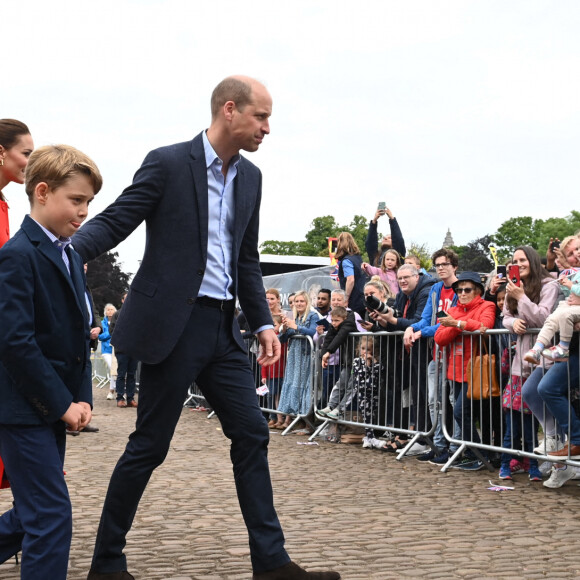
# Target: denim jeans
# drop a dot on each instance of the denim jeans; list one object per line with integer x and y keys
{"x": 553, "y": 389}
{"x": 435, "y": 386}
{"x": 532, "y": 399}
{"x": 126, "y": 369}
{"x": 512, "y": 438}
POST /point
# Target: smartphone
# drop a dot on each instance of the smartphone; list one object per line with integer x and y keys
{"x": 382, "y": 206}
{"x": 555, "y": 244}
{"x": 442, "y": 314}
{"x": 323, "y": 322}
{"x": 501, "y": 272}
{"x": 515, "y": 275}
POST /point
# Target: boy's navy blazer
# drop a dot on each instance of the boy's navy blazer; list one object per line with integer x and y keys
{"x": 44, "y": 330}
{"x": 170, "y": 193}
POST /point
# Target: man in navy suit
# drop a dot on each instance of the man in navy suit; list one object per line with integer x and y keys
{"x": 200, "y": 201}
{"x": 45, "y": 369}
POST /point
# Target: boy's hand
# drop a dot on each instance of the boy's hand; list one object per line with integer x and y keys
{"x": 88, "y": 415}
{"x": 325, "y": 358}
{"x": 74, "y": 417}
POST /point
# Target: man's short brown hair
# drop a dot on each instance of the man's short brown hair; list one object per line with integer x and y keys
{"x": 230, "y": 89}
{"x": 448, "y": 254}
{"x": 55, "y": 164}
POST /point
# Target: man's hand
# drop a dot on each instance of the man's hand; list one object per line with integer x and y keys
{"x": 389, "y": 213}
{"x": 269, "y": 347}
{"x": 74, "y": 417}
{"x": 378, "y": 214}
{"x": 408, "y": 337}
{"x": 325, "y": 358}
{"x": 95, "y": 332}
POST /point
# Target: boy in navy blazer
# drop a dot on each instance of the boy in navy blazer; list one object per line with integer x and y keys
{"x": 45, "y": 370}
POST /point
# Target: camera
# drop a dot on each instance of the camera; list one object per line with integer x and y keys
{"x": 373, "y": 303}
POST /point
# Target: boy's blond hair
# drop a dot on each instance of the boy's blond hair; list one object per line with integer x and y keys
{"x": 55, "y": 164}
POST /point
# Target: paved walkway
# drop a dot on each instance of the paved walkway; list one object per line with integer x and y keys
{"x": 360, "y": 512}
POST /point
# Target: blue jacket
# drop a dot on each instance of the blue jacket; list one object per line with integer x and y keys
{"x": 44, "y": 343}
{"x": 428, "y": 325}
{"x": 105, "y": 337}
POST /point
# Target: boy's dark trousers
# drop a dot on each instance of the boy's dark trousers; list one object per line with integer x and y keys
{"x": 34, "y": 456}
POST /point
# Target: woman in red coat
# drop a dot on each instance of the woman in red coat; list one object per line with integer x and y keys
{"x": 15, "y": 147}
{"x": 471, "y": 314}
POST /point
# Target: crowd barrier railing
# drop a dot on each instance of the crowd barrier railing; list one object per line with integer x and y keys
{"x": 100, "y": 370}
{"x": 380, "y": 388}
{"x": 410, "y": 394}
{"x": 499, "y": 423}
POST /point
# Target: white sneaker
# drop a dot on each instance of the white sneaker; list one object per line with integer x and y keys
{"x": 332, "y": 414}
{"x": 378, "y": 443}
{"x": 559, "y": 477}
{"x": 367, "y": 443}
{"x": 324, "y": 411}
{"x": 551, "y": 444}
{"x": 111, "y": 396}
{"x": 417, "y": 449}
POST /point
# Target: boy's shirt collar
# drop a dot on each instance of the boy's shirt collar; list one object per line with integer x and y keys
{"x": 64, "y": 241}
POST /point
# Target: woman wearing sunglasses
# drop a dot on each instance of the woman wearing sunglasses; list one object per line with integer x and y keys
{"x": 472, "y": 313}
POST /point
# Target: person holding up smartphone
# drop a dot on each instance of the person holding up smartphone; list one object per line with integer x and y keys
{"x": 394, "y": 240}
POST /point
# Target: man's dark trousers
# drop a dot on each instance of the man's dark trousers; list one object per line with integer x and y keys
{"x": 207, "y": 354}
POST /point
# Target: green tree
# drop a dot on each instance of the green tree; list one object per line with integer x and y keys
{"x": 287, "y": 248}
{"x": 320, "y": 230}
{"x": 107, "y": 281}
{"x": 525, "y": 230}
{"x": 423, "y": 252}
{"x": 475, "y": 256}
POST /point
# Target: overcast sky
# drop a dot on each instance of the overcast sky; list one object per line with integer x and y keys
{"x": 457, "y": 114}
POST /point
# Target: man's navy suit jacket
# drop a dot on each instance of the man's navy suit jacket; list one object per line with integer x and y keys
{"x": 44, "y": 331}
{"x": 170, "y": 193}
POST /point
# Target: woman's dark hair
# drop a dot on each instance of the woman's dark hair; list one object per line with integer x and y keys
{"x": 533, "y": 285}
{"x": 10, "y": 130}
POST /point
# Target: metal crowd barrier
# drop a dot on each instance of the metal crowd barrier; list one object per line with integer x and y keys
{"x": 482, "y": 425}
{"x": 391, "y": 396}
{"x": 381, "y": 388}
{"x": 100, "y": 370}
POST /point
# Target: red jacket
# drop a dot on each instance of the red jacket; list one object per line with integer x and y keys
{"x": 4, "y": 229}
{"x": 476, "y": 313}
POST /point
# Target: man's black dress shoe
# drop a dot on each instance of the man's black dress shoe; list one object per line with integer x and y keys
{"x": 291, "y": 571}
{"x": 110, "y": 575}
{"x": 90, "y": 429}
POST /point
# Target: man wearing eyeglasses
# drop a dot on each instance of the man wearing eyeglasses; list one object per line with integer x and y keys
{"x": 408, "y": 307}
{"x": 441, "y": 298}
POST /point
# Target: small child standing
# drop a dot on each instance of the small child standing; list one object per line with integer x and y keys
{"x": 45, "y": 369}
{"x": 562, "y": 319}
{"x": 367, "y": 371}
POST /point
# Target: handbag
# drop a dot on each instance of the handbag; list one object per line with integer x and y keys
{"x": 479, "y": 379}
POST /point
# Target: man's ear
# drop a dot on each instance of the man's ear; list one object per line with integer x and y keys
{"x": 41, "y": 192}
{"x": 229, "y": 109}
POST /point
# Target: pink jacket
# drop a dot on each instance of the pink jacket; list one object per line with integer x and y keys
{"x": 534, "y": 315}
{"x": 390, "y": 277}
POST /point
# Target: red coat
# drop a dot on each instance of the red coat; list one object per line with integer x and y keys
{"x": 476, "y": 313}
{"x": 276, "y": 371}
{"x": 4, "y": 236}
{"x": 4, "y": 229}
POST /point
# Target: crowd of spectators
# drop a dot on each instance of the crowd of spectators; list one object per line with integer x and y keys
{"x": 442, "y": 329}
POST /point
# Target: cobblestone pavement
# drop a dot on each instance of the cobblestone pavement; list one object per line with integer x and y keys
{"x": 357, "y": 511}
